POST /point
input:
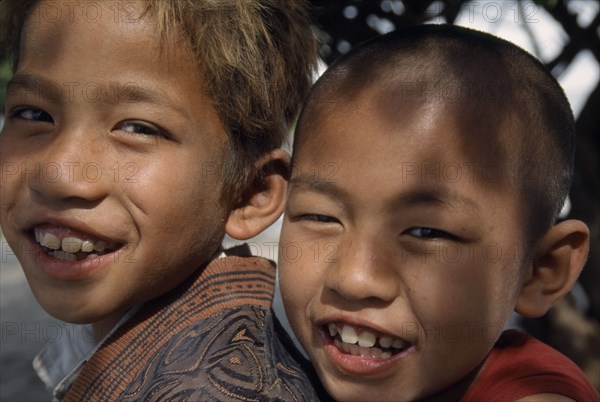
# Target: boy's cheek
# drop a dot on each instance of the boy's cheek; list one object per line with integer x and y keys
{"x": 8, "y": 174}
{"x": 300, "y": 278}
{"x": 9, "y": 190}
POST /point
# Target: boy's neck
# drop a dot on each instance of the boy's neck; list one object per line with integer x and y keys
{"x": 456, "y": 391}
{"x": 103, "y": 327}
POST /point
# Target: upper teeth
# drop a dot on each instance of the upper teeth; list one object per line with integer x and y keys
{"x": 48, "y": 240}
{"x": 348, "y": 334}
{"x": 364, "y": 338}
{"x": 69, "y": 244}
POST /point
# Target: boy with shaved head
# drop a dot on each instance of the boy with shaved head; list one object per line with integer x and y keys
{"x": 444, "y": 156}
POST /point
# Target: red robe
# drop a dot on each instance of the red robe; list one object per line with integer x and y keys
{"x": 520, "y": 365}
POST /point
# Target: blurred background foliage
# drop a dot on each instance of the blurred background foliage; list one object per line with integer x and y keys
{"x": 573, "y": 325}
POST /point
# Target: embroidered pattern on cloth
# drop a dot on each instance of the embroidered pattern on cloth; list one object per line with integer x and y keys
{"x": 210, "y": 338}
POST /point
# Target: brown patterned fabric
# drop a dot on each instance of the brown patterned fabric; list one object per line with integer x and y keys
{"x": 212, "y": 338}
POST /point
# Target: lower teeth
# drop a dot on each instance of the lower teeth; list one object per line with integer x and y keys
{"x": 63, "y": 255}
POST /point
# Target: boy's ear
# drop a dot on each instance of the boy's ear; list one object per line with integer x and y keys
{"x": 558, "y": 260}
{"x": 264, "y": 202}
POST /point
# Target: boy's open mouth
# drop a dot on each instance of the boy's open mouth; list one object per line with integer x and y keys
{"x": 362, "y": 342}
{"x": 72, "y": 248}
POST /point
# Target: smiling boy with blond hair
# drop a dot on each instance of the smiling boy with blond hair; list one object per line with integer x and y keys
{"x": 136, "y": 135}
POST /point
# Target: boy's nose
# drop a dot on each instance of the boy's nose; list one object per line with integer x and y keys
{"x": 363, "y": 272}
{"x": 68, "y": 168}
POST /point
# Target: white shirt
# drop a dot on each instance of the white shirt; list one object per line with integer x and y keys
{"x": 59, "y": 363}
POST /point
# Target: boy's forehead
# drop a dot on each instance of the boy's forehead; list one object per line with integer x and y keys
{"x": 102, "y": 41}
{"x": 55, "y": 27}
{"x": 408, "y": 103}
{"x": 96, "y": 16}
{"x": 478, "y": 132}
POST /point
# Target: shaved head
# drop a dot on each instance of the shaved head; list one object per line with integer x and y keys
{"x": 523, "y": 115}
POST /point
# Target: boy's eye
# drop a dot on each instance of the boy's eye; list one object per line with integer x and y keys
{"x": 139, "y": 127}
{"x": 33, "y": 114}
{"x": 429, "y": 233}
{"x": 317, "y": 218}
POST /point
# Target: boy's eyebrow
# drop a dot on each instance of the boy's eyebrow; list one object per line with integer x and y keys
{"x": 38, "y": 86}
{"x": 320, "y": 185}
{"x": 131, "y": 93}
{"x": 441, "y": 196}
{"x": 418, "y": 196}
{"x": 114, "y": 92}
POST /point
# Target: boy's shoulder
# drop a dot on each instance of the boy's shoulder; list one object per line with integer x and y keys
{"x": 213, "y": 338}
{"x": 233, "y": 355}
{"x": 520, "y": 366}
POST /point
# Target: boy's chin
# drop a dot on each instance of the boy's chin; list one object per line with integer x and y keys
{"x": 74, "y": 310}
{"x": 75, "y": 317}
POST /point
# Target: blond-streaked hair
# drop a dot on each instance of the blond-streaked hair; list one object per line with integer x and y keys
{"x": 256, "y": 58}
